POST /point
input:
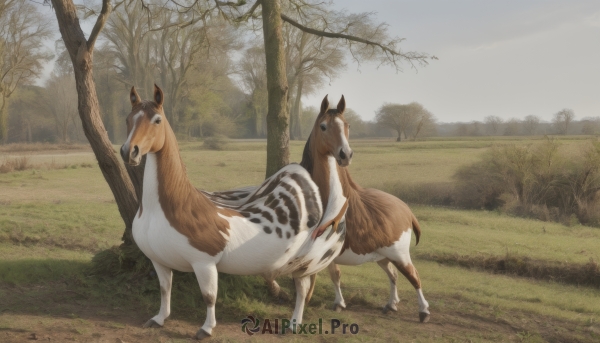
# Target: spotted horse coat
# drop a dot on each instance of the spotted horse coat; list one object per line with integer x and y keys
{"x": 179, "y": 227}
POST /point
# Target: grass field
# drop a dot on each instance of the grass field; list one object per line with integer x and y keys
{"x": 54, "y": 219}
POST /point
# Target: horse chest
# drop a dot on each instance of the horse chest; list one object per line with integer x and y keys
{"x": 161, "y": 243}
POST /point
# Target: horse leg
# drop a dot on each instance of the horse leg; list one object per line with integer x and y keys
{"x": 165, "y": 278}
{"x": 335, "y": 273}
{"x": 273, "y": 287}
{"x": 311, "y": 289}
{"x": 393, "y": 276}
{"x": 208, "y": 278}
{"x": 405, "y": 266}
{"x": 302, "y": 285}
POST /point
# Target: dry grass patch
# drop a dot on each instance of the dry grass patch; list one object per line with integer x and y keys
{"x": 22, "y": 163}
{"x": 38, "y": 147}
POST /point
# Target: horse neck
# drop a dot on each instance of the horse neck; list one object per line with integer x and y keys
{"x": 328, "y": 175}
{"x": 171, "y": 185}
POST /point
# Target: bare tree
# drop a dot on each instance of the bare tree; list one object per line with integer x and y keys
{"x": 562, "y": 119}
{"x": 411, "y": 119}
{"x": 530, "y": 124}
{"x": 363, "y": 38}
{"x": 396, "y": 117}
{"x": 61, "y": 100}
{"x": 492, "y": 124}
{"x": 254, "y": 78}
{"x": 512, "y": 127}
{"x": 310, "y": 61}
{"x": 127, "y": 34}
{"x": 81, "y": 50}
{"x": 22, "y": 53}
{"x": 590, "y": 126}
{"x": 475, "y": 128}
{"x": 425, "y": 121}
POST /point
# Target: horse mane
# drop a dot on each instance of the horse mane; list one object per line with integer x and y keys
{"x": 307, "y": 158}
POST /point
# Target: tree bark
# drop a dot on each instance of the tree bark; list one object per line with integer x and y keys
{"x": 296, "y": 127}
{"x": 3, "y": 122}
{"x": 81, "y": 53}
{"x": 278, "y": 136}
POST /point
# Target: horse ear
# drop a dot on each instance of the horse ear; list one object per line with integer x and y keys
{"x": 134, "y": 97}
{"x": 324, "y": 105}
{"x": 158, "y": 95}
{"x": 341, "y": 107}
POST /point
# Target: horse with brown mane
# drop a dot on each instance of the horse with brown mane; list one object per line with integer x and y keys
{"x": 273, "y": 232}
{"x": 378, "y": 225}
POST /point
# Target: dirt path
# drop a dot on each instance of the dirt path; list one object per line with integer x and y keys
{"x": 54, "y": 313}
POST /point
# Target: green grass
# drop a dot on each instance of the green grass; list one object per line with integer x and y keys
{"x": 490, "y": 233}
{"x": 52, "y": 222}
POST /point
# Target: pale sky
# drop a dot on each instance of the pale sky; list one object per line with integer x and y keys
{"x": 504, "y": 58}
{"x": 507, "y": 58}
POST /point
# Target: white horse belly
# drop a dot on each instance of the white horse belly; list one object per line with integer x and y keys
{"x": 350, "y": 258}
{"x": 163, "y": 244}
{"x": 251, "y": 251}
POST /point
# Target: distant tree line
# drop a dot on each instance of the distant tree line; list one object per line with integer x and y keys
{"x": 563, "y": 123}
{"x": 207, "y": 92}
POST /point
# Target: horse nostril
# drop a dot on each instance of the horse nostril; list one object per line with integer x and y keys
{"x": 135, "y": 151}
{"x": 342, "y": 155}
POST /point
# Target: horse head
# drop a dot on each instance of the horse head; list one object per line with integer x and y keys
{"x": 146, "y": 125}
{"x": 331, "y": 131}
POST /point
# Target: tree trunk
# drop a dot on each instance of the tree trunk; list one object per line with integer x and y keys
{"x": 399, "y": 139}
{"x": 89, "y": 111}
{"x": 3, "y": 122}
{"x": 297, "y": 128}
{"x": 278, "y": 136}
{"x": 29, "y": 131}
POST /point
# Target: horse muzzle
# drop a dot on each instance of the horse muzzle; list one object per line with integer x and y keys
{"x": 130, "y": 155}
{"x": 344, "y": 157}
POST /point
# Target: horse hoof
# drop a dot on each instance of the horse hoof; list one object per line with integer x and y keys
{"x": 201, "y": 334}
{"x": 424, "y": 317}
{"x": 338, "y": 308}
{"x": 152, "y": 324}
{"x": 388, "y": 307}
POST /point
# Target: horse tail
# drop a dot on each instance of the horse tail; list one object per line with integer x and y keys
{"x": 416, "y": 228}
{"x": 313, "y": 279}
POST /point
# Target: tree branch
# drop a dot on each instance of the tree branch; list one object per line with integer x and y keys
{"x": 393, "y": 54}
{"x": 248, "y": 14}
{"x": 100, "y": 21}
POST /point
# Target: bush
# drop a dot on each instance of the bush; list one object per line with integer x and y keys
{"x": 15, "y": 164}
{"x": 537, "y": 180}
{"x": 217, "y": 142}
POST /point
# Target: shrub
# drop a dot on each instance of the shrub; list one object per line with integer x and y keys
{"x": 217, "y": 142}
{"x": 15, "y": 164}
{"x": 537, "y": 180}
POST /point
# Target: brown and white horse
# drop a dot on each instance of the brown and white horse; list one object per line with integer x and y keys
{"x": 270, "y": 233}
{"x": 378, "y": 225}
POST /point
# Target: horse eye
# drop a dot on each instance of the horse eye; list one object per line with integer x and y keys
{"x": 157, "y": 121}
{"x": 323, "y": 127}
